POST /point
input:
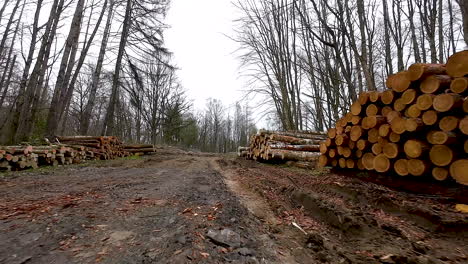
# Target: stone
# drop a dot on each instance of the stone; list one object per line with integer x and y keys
{"x": 245, "y": 252}
{"x": 226, "y": 238}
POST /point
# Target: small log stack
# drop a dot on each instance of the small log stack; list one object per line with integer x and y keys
{"x": 139, "y": 148}
{"x": 417, "y": 127}
{"x": 103, "y": 147}
{"x": 299, "y": 146}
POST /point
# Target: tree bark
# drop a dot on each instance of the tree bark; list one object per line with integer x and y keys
{"x": 108, "y": 127}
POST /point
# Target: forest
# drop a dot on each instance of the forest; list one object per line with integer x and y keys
{"x": 76, "y": 67}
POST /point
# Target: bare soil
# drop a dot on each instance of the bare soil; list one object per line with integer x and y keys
{"x": 165, "y": 208}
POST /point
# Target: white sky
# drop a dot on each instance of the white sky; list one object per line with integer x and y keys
{"x": 202, "y": 51}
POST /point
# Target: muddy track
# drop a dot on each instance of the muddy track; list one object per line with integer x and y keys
{"x": 154, "y": 210}
{"x": 349, "y": 219}
{"x": 179, "y": 207}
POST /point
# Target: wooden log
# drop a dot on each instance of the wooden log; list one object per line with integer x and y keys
{"x": 355, "y": 120}
{"x": 389, "y": 80}
{"x": 329, "y": 142}
{"x": 394, "y": 137}
{"x": 447, "y": 102}
{"x": 441, "y": 155}
{"x": 368, "y": 161}
{"x": 372, "y": 110}
{"x": 401, "y": 167}
{"x": 459, "y": 85}
{"x": 360, "y": 165}
{"x": 463, "y": 126}
{"x": 346, "y": 152}
{"x": 418, "y": 71}
{"x": 298, "y": 134}
{"x": 322, "y": 161}
{"x": 391, "y": 150}
{"x": 424, "y": 102}
{"x": 399, "y": 105}
{"x": 362, "y": 144}
{"x": 78, "y": 138}
{"x": 362, "y": 100}
{"x": 392, "y": 115}
{"x": 374, "y": 96}
{"x": 294, "y": 155}
{"x": 413, "y": 124}
{"x": 458, "y": 171}
{"x": 436, "y": 137}
{"x": 369, "y": 122}
{"x": 294, "y": 140}
{"x": 414, "y": 148}
{"x": 358, "y": 153}
{"x": 323, "y": 147}
{"x": 435, "y": 83}
{"x": 386, "y": 110}
{"x": 356, "y": 108}
{"x": 413, "y": 111}
{"x": 310, "y": 148}
{"x": 341, "y": 139}
{"x": 398, "y": 125}
{"x": 408, "y": 97}
{"x": 417, "y": 167}
{"x": 373, "y": 135}
{"x": 400, "y": 82}
{"x": 440, "y": 174}
{"x": 332, "y": 153}
{"x": 376, "y": 148}
{"x": 386, "y": 97}
{"x": 457, "y": 64}
{"x": 352, "y": 144}
{"x": 381, "y": 163}
{"x": 342, "y": 163}
{"x": 448, "y": 123}
{"x": 350, "y": 164}
{"x": 429, "y": 117}
{"x": 355, "y": 133}
{"x": 384, "y": 130}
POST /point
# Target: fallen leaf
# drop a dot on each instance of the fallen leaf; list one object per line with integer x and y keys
{"x": 187, "y": 210}
{"x": 205, "y": 255}
{"x": 177, "y": 252}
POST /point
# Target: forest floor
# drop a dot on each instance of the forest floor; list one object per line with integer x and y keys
{"x": 184, "y": 207}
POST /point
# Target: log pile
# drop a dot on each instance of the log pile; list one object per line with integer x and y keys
{"x": 297, "y": 146}
{"x": 102, "y": 147}
{"x": 417, "y": 127}
{"x": 139, "y": 148}
{"x": 68, "y": 150}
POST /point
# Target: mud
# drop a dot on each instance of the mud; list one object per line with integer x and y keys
{"x": 360, "y": 218}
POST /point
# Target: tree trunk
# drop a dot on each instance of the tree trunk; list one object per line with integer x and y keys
{"x": 108, "y": 127}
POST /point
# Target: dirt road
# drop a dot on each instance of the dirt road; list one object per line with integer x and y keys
{"x": 178, "y": 207}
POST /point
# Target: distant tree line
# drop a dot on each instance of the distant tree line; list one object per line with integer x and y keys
{"x": 311, "y": 58}
{"x": 99, "y": 67}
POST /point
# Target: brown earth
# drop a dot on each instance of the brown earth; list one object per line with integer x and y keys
{"x": 182, "y": 207}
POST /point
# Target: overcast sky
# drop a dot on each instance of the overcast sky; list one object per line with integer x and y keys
{"x": 208, "y": 67}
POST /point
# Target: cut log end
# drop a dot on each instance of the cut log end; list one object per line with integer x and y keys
{"x": 457, "y": 64}
{"x": 458, "y": 171}
{"x": 440, "y": 174}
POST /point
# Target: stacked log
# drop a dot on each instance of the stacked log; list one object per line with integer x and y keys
{"x": 417, "y": 127}
{"x": 68, "y": 150}
{"x": 102, "y": 147}
{"x": 139, "y": 148}
{"x": 302, "y": 147}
